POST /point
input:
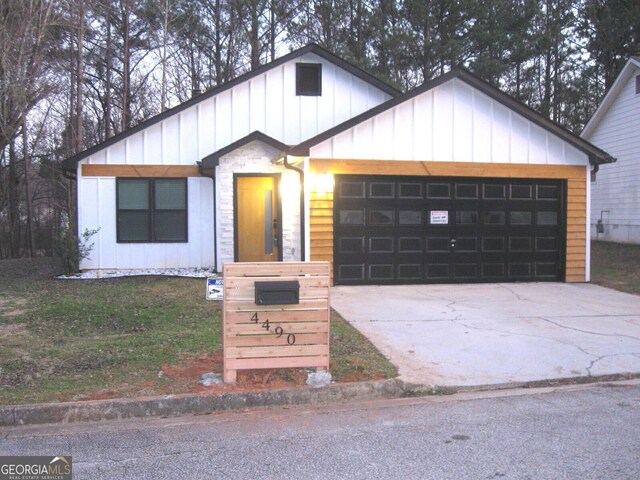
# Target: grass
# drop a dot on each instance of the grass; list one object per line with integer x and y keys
{"x": 616, "y": 265}
{"x": 69, "y": 340}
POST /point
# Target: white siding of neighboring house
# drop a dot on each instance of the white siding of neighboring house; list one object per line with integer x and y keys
{"x": 267, "y": 103}
{"x": 451, "y": 122}
{"x": 617, "y": 185}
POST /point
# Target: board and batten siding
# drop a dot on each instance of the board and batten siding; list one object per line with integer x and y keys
{"x": 266, "y": 102}
{"x": 617, "y": 186}
{"x": 451, "y": 122}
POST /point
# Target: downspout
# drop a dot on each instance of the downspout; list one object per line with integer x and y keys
{"x": 215, "y": 228}
{"x": 73, "y": 177}
{"x": 302, "y": 221}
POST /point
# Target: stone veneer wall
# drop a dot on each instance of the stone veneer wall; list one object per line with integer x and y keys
{"x": 256, "y": 157}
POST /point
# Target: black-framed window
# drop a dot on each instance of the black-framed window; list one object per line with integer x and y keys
{"x": 151, "y": 210}
{"x": 308, "y": 79}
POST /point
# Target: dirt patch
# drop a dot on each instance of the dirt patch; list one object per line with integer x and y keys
{"x": 12, "y": 329}
{"x": 191, "y": 371}
{"x": 194, "y": 367}
{"x": 10, "y": 307}
{"x": 185, "y": 378}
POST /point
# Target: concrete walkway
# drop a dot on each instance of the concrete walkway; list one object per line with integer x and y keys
{"x": 468, "y": 335}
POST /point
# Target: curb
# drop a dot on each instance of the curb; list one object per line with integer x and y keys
{"x": 202, "y": 404}
{"x": 420, "y": 390}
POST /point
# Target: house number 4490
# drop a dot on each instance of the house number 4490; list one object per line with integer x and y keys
{"x": 278, "y": 331}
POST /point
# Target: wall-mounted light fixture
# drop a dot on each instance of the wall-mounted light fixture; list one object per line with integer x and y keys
{"x": 322, "y": 183}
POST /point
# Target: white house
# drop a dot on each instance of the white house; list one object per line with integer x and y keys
{"x": 615, "y": 127}
{"x": 311, "y": 158}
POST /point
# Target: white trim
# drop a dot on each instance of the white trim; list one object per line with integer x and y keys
{"x": 307, "y": 210}
{"x": 587, "y": 260}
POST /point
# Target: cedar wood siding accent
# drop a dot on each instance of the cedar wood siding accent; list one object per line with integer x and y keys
{"x": 321, "y": 228}
{"x": 156, "y": 171}
{"x": 321, "y": 205}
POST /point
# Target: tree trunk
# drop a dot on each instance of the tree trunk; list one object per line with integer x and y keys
{"x": 108, "y": 69}
{"x": 272, "y": 30}
{"x": 126, "y": 67}
{"x": 165, "y": 37}
{"x": 14, "y": 206}
{"x": 254, "y": 36}
{"x": 31, "y": 241}
{"x": 79, "y": 127}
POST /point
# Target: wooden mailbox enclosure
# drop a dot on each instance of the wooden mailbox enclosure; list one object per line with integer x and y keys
{"x": 297, "y": 334}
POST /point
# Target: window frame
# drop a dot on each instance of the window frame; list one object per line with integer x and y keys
{"x": 151, "y": 210}
{"x": 309, "y": 93}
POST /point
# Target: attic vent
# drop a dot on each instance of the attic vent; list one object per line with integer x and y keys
{"x": 308, "y": 79}
{"x": 637, "y": 83}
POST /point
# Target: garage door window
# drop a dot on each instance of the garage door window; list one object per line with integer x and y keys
{"x": 547, "y": 218}
{"x": 521, "y": 192}
{"x": 494, "y": 218}
{"x": 466, "y": 218}
{"x": 438, "y": 190}
{"x": 520, "y": 218}
{"x": 352, "y": 217}
{"x": 410, "y": 217}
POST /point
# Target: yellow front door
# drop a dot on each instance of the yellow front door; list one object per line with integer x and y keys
{"x": 257, "y": 223}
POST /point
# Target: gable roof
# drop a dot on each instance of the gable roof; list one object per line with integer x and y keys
{"x": 632, "y": 65}
{"x": 71, "y": 162}
{"x": 212, "y": 160}
{"x": 596, "y": 155}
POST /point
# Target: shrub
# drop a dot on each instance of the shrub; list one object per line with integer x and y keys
{"x": 71, "y": 250}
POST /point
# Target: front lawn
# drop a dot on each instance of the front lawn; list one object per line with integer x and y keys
{"x": 72, "y": 340}
{"x": 616, "y": 265}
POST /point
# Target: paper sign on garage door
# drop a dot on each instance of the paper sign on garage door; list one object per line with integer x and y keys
{"x": 439, "y": 217}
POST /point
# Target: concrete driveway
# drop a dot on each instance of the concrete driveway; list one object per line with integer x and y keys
{"x": 464, "y": 335}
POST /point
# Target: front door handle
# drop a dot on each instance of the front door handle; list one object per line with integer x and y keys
{"x": 275, "y": 230}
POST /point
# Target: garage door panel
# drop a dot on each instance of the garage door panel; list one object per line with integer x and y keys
{"x": 436, "y": 229}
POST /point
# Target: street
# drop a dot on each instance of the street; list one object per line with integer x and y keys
{"x": 574, "y": 432}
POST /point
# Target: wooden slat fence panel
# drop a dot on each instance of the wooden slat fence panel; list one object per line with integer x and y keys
{"x": 275, "y": 336}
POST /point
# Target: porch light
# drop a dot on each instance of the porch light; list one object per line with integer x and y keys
{"x": 322, "y": 183}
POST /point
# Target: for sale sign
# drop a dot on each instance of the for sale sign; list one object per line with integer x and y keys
{"x": 439, "y": 217}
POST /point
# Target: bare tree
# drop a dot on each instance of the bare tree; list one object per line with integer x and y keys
{"x": 25, "y": 29}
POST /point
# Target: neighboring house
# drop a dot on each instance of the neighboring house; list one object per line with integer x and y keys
{"x": 453, "y": 181}
{"x": 615, "y": 127}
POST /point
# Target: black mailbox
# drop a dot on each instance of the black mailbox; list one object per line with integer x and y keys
{"x": 277, "y": 293}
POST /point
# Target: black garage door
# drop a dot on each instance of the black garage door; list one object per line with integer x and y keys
{"x": 442, "y": 229}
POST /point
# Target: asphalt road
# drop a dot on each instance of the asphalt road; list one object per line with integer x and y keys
{"x": 585, "y": 432}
